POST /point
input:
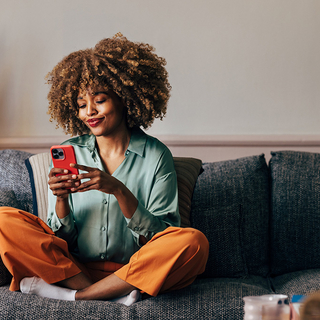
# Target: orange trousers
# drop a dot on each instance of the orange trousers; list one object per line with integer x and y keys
{"x": 171, "y": 260}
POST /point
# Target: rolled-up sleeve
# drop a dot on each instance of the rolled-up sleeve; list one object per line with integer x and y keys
{"x": 161, "y": 209}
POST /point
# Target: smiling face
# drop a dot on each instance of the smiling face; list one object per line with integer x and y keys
{"x": 103, "y": 112}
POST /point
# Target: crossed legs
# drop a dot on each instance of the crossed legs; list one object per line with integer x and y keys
{"x": 170, "y": 260}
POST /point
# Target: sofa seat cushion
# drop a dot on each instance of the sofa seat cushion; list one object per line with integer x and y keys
{"x": 295, "y": 214}
{"x": 299, "y": 282}
{"x": 230, "y": 206}
{"x": 17, "y": 305}
{"x": 205, "y": 299}
{"x": 213, "y": 299}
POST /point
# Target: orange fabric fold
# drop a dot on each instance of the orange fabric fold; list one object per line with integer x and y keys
{"x": 170, "y": 260}
{"x": 28, "y": 247}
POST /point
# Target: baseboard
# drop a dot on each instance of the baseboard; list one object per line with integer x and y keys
{"x": 207, "y": 148}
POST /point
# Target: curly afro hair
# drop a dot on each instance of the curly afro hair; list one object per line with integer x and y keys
{"x": 132, "y": 70}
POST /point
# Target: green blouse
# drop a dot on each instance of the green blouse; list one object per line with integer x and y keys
{"x": 95, "y": 228}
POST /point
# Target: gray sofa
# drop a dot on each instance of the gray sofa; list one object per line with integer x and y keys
{"x": 262, "y": 222}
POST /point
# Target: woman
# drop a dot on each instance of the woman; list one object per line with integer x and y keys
{"x": 114, "y": 228}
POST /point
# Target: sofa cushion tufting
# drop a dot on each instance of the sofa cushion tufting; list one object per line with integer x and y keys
{"x": 295, "y": 214}
{"x": 230, "y": 206}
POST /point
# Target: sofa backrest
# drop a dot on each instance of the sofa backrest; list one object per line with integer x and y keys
{"x": 15, "y": 187}
{"x": 295, "y": 214}
{"x": 230, "y": 206}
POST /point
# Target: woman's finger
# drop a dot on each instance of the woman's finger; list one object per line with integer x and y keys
{"x": 86, "y": 184}
{"x": 64, "y": 185}
{"x": 82, "y": 188}
{"x": 56, "y": 179}
{"x": 81, "y": 167}
{"x": 89, "y": 175}
{"x": 54, "y": 171}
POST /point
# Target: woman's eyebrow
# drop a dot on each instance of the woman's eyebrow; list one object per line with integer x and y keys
{"x": 95, "y": 94}
{"x": 100, "y": 92}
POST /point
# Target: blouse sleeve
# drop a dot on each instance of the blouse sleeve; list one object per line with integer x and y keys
{"x": 162, "y": 208}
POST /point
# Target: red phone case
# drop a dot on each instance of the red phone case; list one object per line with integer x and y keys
{"x": 63, "y": 160}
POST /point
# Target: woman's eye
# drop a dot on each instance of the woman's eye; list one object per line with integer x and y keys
{"x": 101, "y": 101}
{"x": 82, "y": 106}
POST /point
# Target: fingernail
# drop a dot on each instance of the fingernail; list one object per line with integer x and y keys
{"x": 65, "y": 171}
{"x": 74, "y": 176}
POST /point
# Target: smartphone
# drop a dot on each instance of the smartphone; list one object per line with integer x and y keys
{"x": 62, "y": 156}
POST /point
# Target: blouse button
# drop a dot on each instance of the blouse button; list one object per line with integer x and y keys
{"x": 105, "y": 201}
{"x": 102, "y": 256}
{"x": 103, "y": 228}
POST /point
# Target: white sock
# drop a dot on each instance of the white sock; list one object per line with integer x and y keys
{"x": 35, "y": 285}
{"x": 129, "y": 299}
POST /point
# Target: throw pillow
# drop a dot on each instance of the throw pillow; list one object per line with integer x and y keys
{"x": 188, "y": 170}
{"x": 295, "y": 218}
{"x": 230, "y": 206}
{"x": 38, "y": 166}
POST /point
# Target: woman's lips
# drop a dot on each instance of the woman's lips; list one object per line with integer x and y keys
{"x": 94, "y": 122}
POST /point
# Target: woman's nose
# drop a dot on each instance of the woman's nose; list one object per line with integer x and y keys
{"x": 91, "y": 109}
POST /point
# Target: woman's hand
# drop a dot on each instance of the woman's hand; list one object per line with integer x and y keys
{"x": 99, "y": 180}
{"x": 106, "y": 183}
{"x": 60, "y": 182}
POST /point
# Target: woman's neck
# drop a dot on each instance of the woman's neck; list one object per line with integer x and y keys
{"x": 113, "y": 146}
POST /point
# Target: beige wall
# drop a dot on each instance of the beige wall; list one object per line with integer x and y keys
{"x": 249, "y": 67}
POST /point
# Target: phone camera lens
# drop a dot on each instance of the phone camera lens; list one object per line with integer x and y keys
{"x": 57, "y": 153}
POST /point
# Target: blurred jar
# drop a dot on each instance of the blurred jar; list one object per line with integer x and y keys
{"x": 266, "y": 307}
{"x": 310, "y": 308}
